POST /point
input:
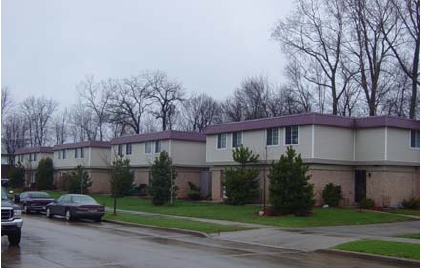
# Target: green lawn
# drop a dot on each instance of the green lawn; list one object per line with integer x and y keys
{"x": 249, "y": 213}
{"x": 413, "y": 212}
{"x": 413, "y": 236}
{"x": 174, "y": 223}
{"x": 386, "y": 248}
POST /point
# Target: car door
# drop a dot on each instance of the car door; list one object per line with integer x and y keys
{"x": 63, "y": 204}
{"x": 54, "y": 207}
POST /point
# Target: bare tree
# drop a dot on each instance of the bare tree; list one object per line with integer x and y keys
{"x": 166, "y": 95}
{"x": 96, "y": 97}
{"x": 60, "y": 124}
{"x": 84, "y": 123}
{"x": 6, "y": 101}
{"x": 38, "y": 112}
{"x": 129, "y": 100}
{"x": 200, "y": 111}
{"x": 13, "y": 132}
{"x": 403, "y": 38}
{"x": 233, "y": 110}
{"x": 316, "y": 31}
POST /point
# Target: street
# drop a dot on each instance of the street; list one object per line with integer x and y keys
{"x": 51, "y": 243}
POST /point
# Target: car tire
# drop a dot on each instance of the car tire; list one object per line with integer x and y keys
{"x": 15, "y": 239}
{"x": 48, "y": 213}
{"x": 25, "y": 209}
{"x": 68, "y": 215}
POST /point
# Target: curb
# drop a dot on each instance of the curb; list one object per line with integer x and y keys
{"x": 177, "y": 230}
{"x": 368, "y": 256}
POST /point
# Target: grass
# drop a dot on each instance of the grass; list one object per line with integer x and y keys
{"x": 413, "y": 212}
{"x": 249, "y": 213}
{"x": 412, "y": 236}
{"x": 386, "y": 248}
{"x": 174, "y": 223}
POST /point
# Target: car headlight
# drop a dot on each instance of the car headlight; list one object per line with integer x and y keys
{"x": 17, "y": 213}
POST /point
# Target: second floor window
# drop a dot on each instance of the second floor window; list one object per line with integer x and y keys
{"x": 415, "y": 138}
{"x": 148, "y": 147}
{"x": 64, "y": 154}
{"x": 35, "y": 157}
{"x": 82, "y": 152}
{"x": 128, "y": 149}
{"x": 292, "y": 135}
{"x": 158, "y": 146}
{"x": 59, "y": 155}
{"x": 222, "y": 141}
{"x": 76, "y": 153}
{"x": 272, "y": 136}
{"x": 119, "y": 149}
{"x": 237, "y": 139}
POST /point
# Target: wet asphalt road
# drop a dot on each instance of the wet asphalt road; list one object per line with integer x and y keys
{"x": 51, "y": 243}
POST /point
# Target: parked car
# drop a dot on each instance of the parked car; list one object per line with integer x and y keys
{"x": 11, "y": 221}
{"x": 33, "y": 201}
{"x": 74, "y": 206}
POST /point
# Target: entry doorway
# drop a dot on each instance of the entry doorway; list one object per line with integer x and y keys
{"x": 360, "y": 185}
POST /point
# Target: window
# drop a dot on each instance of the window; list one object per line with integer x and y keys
{"x": 272, "y": 136}
{"x": 35, "y": 156}
{"x": 64, "y": 154}
{"x": 158, "y": 146}
{"x": 292, "y": 135}
{"x": 128, "y": 149}
{"x": 120, "y": 149}
{"x": 59, "y": 154}
{"x": 82, "y": 152}
{"x": 30, "y": 157}
{"x": 415, "y": 138}
{"x": 222, "y": 141}
{"x": 76, "y": 153}
{"x": 148, "y": 147}
{"x": 237, "y": 139}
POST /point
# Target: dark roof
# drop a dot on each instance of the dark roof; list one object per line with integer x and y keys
{"x": 95, "y": 144}
{"x": 34, "y": 150}
{"x": 314, "y": 119}
{"x": 163, "y": 135}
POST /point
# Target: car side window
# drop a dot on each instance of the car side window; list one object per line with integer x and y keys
{"x": 60, "y": 199}
{"x": 66, "y": 199}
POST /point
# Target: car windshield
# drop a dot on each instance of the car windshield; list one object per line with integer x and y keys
{"x": 82, "y": 199}
{"x": 3, "y": 193}
{"x": 39, "y": 195}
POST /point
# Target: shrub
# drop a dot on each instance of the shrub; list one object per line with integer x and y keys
{"x": 332, "y": 194}
{"x": 162, "y": 180}
{"x": 79, "y": 182}
{"x": 16, "y": 176}
{"x": 194, "y": 192}
{"x": 122, "y": 179}
{"x": 289, "y": 189}
{"x": 44, "y": 174}
{"x": 411, "y": 203}
{"x": 241, "y": 183}
{"x": 366, "y": 203}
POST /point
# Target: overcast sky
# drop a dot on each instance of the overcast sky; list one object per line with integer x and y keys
{"x": 48, "y": 47}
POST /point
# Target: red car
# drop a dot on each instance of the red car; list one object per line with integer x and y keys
{"x": 33, "y": 201}
{"x": 74, "y": 206}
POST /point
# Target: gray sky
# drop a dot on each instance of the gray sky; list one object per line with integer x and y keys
{"x": 48, "y": 47}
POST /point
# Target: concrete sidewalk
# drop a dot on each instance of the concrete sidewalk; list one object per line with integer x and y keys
{"x": 304, "y": 239}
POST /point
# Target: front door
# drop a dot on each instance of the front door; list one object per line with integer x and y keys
{"x": 360, "y": 185}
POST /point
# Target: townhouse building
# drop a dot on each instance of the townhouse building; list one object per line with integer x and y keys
{"x": 93, "y": 156}
{"x": 374, "y": 157}
{"x": 29, "y": 158}
{"x": 187, "y": 151}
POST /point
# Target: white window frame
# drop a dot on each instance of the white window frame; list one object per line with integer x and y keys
{"x": 278, "y": 137}
{"x": 291, "y": 135}
{"x": 64, "y": 153}
{"x": 148, "y": 144}
{"x": 232, "y": 139}
{"x": 82, "y": 152}
{"x": 410, "y": 139}
{"x": 120, "y": 149}
{"x": 76, "y": 153}
{"x": 128, "y": 149}
{"x": 224, "y": 138}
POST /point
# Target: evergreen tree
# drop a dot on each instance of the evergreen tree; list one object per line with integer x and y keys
{"x": 162, "y": 180}
{"x": 79, "y": 181}
{"x": 44, "y": 174}
{"x": 289, "y": 190}
{"x": 241, "y": 183}
{"x": 16, "y": 176}
{"x": 122, "y": 179}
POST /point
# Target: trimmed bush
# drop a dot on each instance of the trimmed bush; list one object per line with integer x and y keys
{"x": 194, "y": 192}
{"x": 162, "y": 180}
{"x": 411, "y": 203}
{"x": 44, "y": 174}
{"x": 79, "y": 179}
{"x": 332, "y": 194}
{"x": 16, "y": 176}
{"x": 366, "y": 203}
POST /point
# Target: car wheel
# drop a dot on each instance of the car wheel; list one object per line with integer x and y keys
{"x": 48, "y": 213}
{"x": 25, "y": 209}
{"x": 68, "y": 215}
{"x": 15, "y": 239}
